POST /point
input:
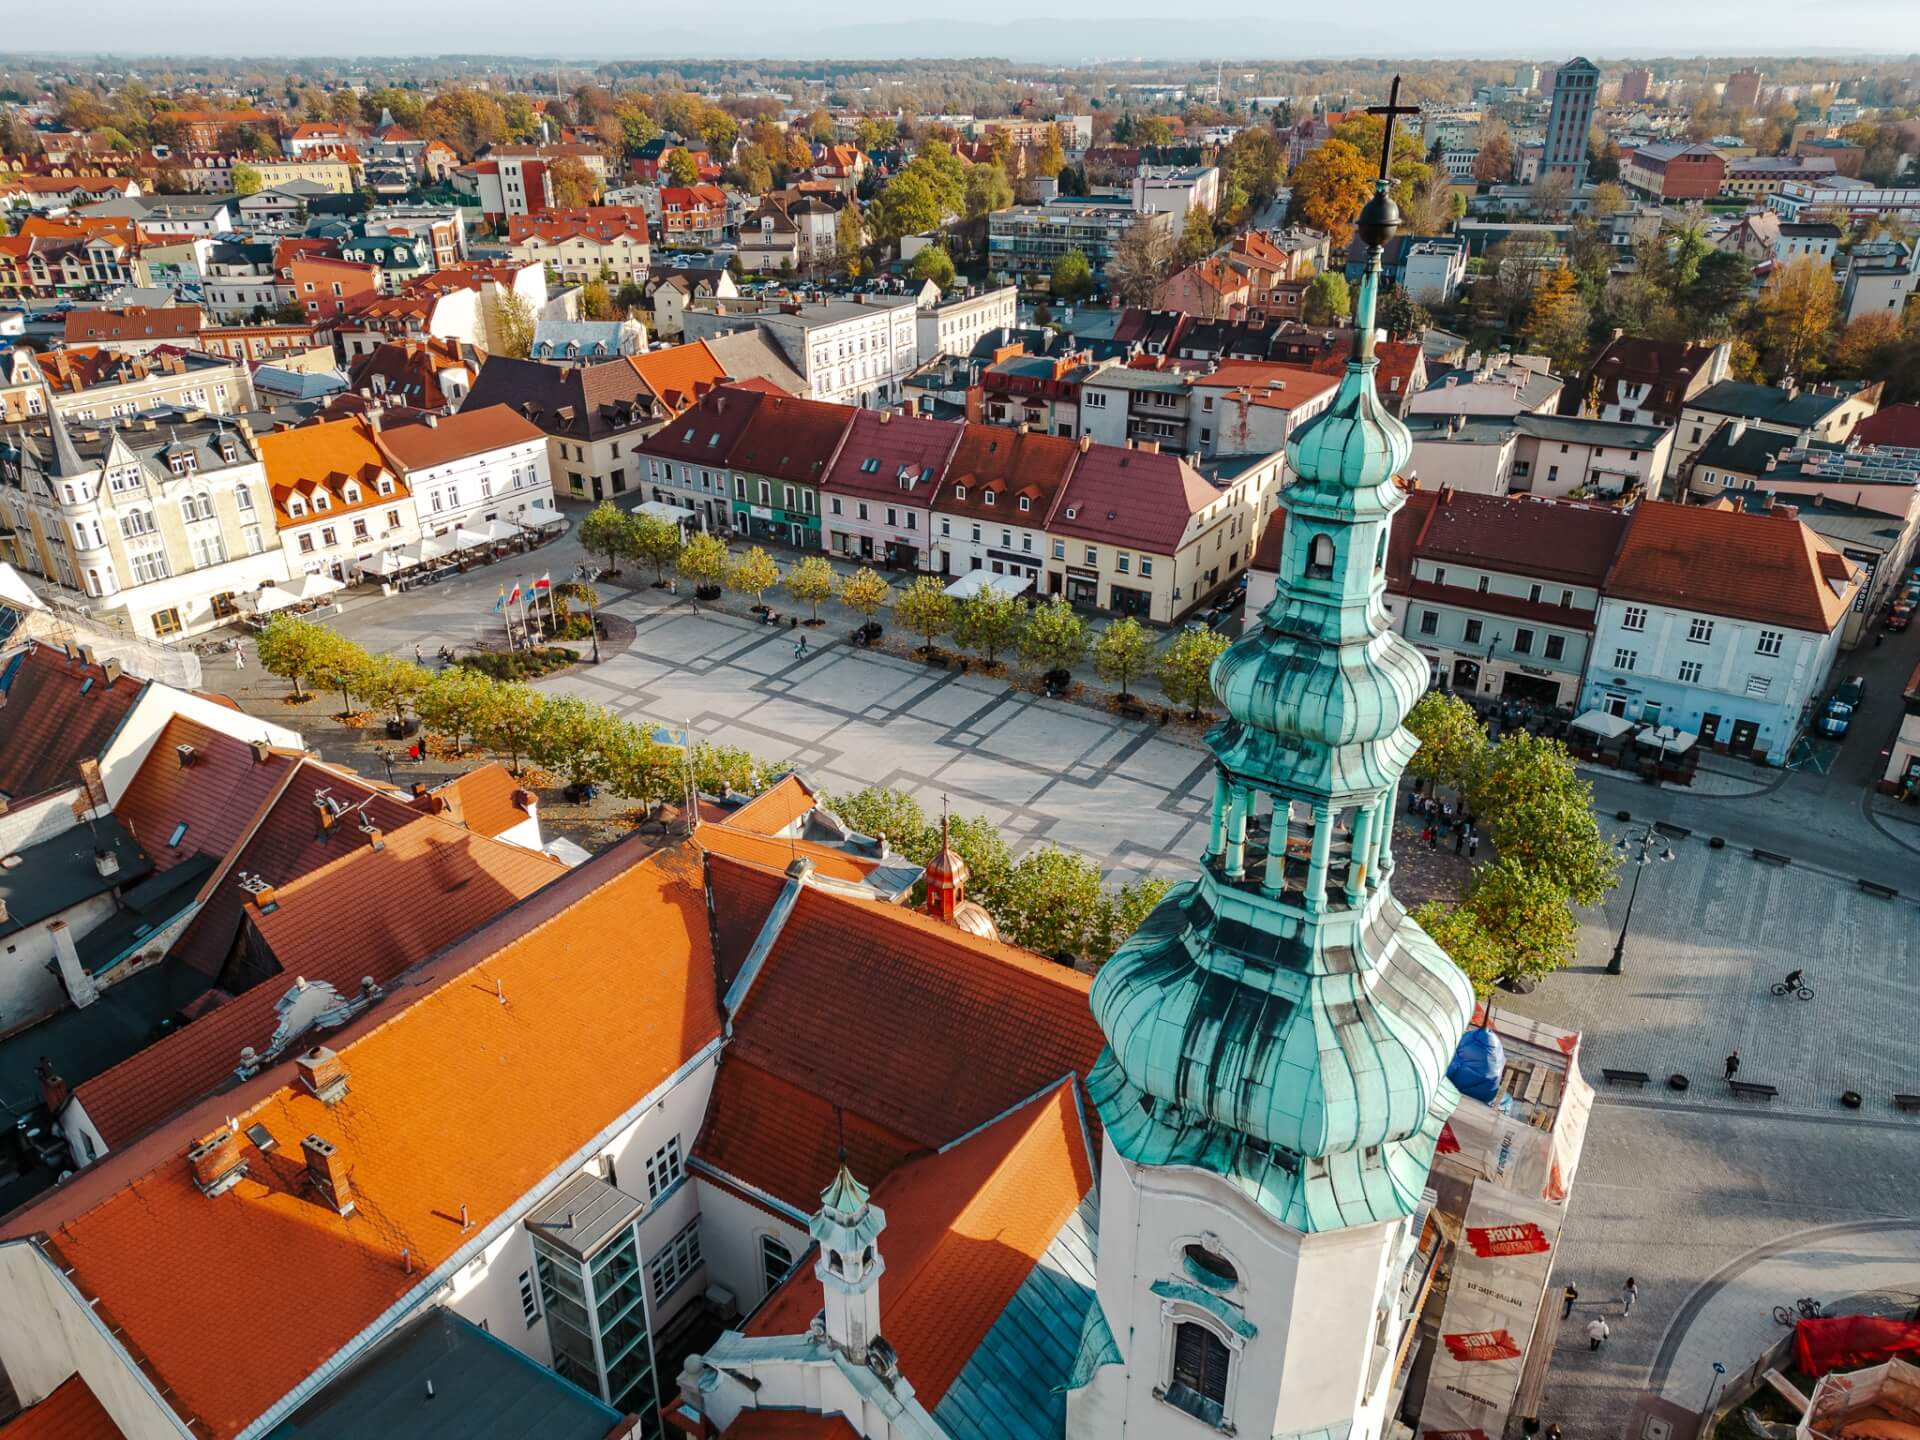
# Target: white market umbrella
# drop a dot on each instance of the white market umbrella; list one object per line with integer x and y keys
{"x": 312, "y": 587}
{"x": 382, "y": 565}
{"x": 1599, "y": 722}
{"x": 501, "y": 531}
{"x": 464, "y": 539}
{"x": 272, "y": 598}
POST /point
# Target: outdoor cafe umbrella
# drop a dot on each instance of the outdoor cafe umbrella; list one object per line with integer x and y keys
{"x": 500, "y": 532}
{"x": 272, "y": 598}
{"x": 465, "y": 539}
{"x": 312, "y": 587}
{"x": 388, "y": 562}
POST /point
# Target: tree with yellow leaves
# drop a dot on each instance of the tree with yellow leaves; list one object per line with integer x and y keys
{"x": 1558, "y": 319}
{"x": 1796, "y": 312}
{"x": 1330, "y": 187}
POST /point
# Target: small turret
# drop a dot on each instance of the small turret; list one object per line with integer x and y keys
{"x": 849, "y": 1268}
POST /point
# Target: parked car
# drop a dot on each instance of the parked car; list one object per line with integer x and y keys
{"x": 1838, "y": 715}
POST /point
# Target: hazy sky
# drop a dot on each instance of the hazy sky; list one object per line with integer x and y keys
{"x": 1072, "y": 29}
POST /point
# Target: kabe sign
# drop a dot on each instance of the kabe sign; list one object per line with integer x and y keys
{"x": 1499, "y": 1273}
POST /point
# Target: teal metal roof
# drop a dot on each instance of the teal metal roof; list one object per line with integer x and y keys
{"x": 1015, "y": 1385}
{"x": 1284, "y": 1029}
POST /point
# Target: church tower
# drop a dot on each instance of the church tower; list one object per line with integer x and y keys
{"x": 1279, "y": 1030}
{"x": 849, "y": 1268}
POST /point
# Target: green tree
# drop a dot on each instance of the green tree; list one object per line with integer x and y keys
{"x": 1186, "y": 669}
{"x": 1453, "y": 742}
{"x": 866, "y": 592}
{"x": 643, "y": 768}
{"x": 1072, "y": 278}
{"x": 246, "y": 180}
{"x": 604, "y": 531}
{"x": 1539, "y": 812}
{"x": 574, "y": 183}
{"x": 988, "y": 190}
{"x": 810, "y": 581}
{"x": 1121, "y": 910}
{"x": 649, "y": 538}
{"x": 509, "y": 721}
{"x": 679, "y": 167}
{"x": 573, "y": 738}
{"x": 295, "y": 650}
{"x": 468, "y": 120}
{"x": 878, "y": 810}
{"x": 1558, "y": 321}
{"x": 849, "y": 234}
{"x": 637, "y": 127}
{"x": 340, "y": 666}
{"x": 703, "y": 559}
{"x": 933, "y": 263}
{"x": 1327, "y": 299}
{"x": 1196, "y": 237}
{"x": 1122, "y": 652}
{"x": 906, "y": 206}
{"x": 720, "y": 769}
{"x": 1049, "y": 901}
{"x": 406, "y": 106}
{"x": 754, "y": 573}
{"x": 596, "y": 301}
{"x": 1404, "y": 317}
{"x": 512, "y": 324}
{"x": 988, "y": 623}
{"x": 926, "y": 609}
{"x": 1607, "y": 199}
{"x": 1054, "y": 637}
{"x": 391, "y": 683}
{"x": 1511, "y": 924}
{"x": 453, "y": 702}
{"x": 1257, "y": 164}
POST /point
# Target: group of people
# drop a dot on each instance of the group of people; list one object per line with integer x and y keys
{"x": 1597, "y": 1328}
{"x": 1442, "y": 818}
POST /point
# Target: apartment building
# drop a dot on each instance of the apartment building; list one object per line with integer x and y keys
{"x": 856, "y": 351}
{"x": 339, "y": 501}
{"x": 1025, "y": 241}
{"x": 580, "y": 245}
{"x": 467, "y": 469}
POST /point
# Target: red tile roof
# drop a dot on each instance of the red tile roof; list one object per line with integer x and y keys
{"x": 485, "y": 800}
{"x": 775, "y": 808}
{"x": 446, "y": 438}
{"x": 880, "y": 444}
{"x": 1135, "y": 499}
{"x": 789, "y": 1425}
{"x": 1895, "y": 425}
{"x": 329, "y": 457}
{"x": 705, "y": 433}
{"x": 216, "y": 797}
{"x": 787, "y": 438}
{"x": 960, "y": 1029}
{"x": 1010, "y": 466}
{"x": 678, "y": 375}
{"x": 432, "y": 883}
{"x": 1546, "y": 539}
{"x": 454, "y": 1099}
{"x": 1284, "y": 387}
{"x": 71, "y": 1412}
{"x": 1729, "y": 562}
{"x": 777, "y": 854}
{"x": 964, "y": 1229}
{"x": 54, "y": 718}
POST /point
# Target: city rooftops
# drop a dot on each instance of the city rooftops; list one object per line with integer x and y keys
{"x": 1768, "y": 404}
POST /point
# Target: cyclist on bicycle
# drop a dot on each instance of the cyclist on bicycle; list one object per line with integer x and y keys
{"x": 1793, "y": 980}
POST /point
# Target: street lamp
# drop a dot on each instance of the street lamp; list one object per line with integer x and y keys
{"x": 1639, "y": 856}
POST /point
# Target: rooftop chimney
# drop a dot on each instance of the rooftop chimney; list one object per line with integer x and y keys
{"x": 107, "y": 862}
{"x": 263, "y": 899}
{"x": 328, "y": 1173}
{"x": 218, "y": 1162}
{"x": 260, "y": 752}
{"x": 322, "y": 1072}
{"x": 186, "y": 754}
{"x": 113, "y": 670}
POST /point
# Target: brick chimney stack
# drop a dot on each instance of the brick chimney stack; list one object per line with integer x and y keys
{"x": 327, "y": 1170}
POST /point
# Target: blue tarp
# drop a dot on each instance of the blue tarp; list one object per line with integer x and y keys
{"x": 1477, "y": 1063}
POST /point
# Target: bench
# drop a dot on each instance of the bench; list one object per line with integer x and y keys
{"x": 1906, "y": 1102}
{"x": 1625, "y": 1077}
{"x": 1752, "y": 1088}
{"x": 1875, "y": 888}
{"x": 1132, "y": 711}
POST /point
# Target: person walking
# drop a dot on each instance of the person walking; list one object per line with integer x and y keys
{"x": 1733, "y": 1064}
{"x": 1570, "y": 1294}
{"x": 800, "y": 650}
{"x": 1432, "y": 843}
{"x": 1473, "y": 844}
{"x": 1460, "y": 841}
{"x": 1597, "y": 1332}
{"x": 239, "y": 656}
{"x": 1629, "y": 1292}
{"x": 418, "y": 658}
{"x": 1553, "y": 1432}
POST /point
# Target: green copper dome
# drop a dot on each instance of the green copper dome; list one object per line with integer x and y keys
{"x": 1281, "y": 1021}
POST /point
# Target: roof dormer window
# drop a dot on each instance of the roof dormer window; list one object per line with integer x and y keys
{"x": 295, "y": 507}
{"x": 988, "y": 496}
{"x": 319, "y": 500}
{"x": 351, "y": 495}
{"x": 959, "y": 492}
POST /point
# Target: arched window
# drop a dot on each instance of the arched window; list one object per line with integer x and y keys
{"x": 1320, "y": 558}
{"x": 1201, "y": 1361}
{"x": 775, "y": 1261}
{"x": 243, "y": 497}
{"x": 1210, "y": 1267}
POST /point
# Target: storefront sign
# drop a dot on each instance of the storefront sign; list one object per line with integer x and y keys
{"x": 760, "y": 512}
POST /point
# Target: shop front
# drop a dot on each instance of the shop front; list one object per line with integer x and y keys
{"x": 797, "y": 528}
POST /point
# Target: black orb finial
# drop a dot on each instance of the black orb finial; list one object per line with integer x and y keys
{"x": 1378, "y": 221}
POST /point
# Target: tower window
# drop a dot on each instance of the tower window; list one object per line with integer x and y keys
{"x": 1320, "y": 558}
{"x": 1200, "y": 1364}
{"x": 1211, "y": 1268}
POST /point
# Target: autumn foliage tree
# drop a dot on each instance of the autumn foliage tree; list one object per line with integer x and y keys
{"x": 468, "y": 120}
{"x": 1795, "y": 314}
{"x": 1330, "y": 188}
{"x": 1558, "y": 319}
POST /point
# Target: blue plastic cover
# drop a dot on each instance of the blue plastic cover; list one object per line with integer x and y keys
{"x": 1477, "y": 1063}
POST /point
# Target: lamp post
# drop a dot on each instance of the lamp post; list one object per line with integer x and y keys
{"x": 1639, "y": 857}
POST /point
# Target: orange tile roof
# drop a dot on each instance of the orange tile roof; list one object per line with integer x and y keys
{"x": 964, "y": 1230}
{"x": 57, "y": 712}
{"x": 71, "y": 1412}
{"x": 775, "y": 808}
{"x": 456, "y": 1099}
{"x": 771, "y": 853}
{"x": 432, "y": 883}
{"x": 329, "y": 456}
{"x": 216, "y": 797}
{"x": 483, "y": 799}
{"x": 679, "y": 375}
{"x": 136, "y": 322}
{"x": 789, "y": 1425}
{"x": 961, "y": 1028}
{"x": 1728, "y": 562}
{"x": 446, "y": 438}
